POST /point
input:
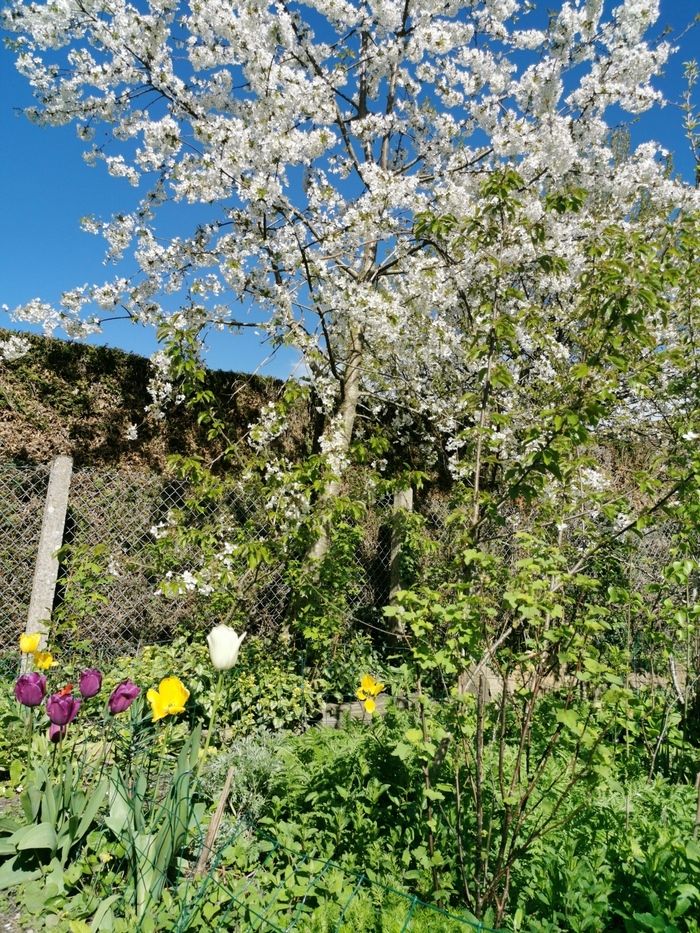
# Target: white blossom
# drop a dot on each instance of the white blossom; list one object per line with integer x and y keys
{"x": 14, "y": 348}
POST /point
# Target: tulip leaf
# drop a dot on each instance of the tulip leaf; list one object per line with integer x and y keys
{"x": 31, "y": 802}
{"x": 94, "y": 802}
{"x": 8, "y": 825}
{"x": 120, "y": 813}
{"x": 104, "y": 918}
{"x": 36, "y": 836}
{"x": 11, "y": 876}
{"x": 7, "y": 847}
{"x": 149, "y": 881}
{"x": 50, "y": 805}
{"x": 138, "y": 802}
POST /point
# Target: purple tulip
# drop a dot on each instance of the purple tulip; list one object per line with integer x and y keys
{"x": 123, "y": 696}
{"x": 62, "y": 708}
{"x": 56, "y": 733}
{"x": 30, "y": 689}
{"x": 90, "y": 682}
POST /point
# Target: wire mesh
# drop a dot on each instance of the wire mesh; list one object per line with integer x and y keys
{"x": 148, "y": 820}
{"x": 281, "y": 889}
{"x": 108, "y": 598}
{"x": 22, "y": 495}
{"x": 107, "y": 591}
{"x": 107, "y": 595}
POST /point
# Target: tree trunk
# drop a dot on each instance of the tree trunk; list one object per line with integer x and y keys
{"x": 345, "y": 423}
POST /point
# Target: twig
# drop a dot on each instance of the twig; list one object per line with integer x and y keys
{"x": 674, "y": 680}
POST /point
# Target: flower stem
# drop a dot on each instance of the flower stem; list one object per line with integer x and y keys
{"x": 159, "y": 803}
{"x": 59, "y": 774}
{"x": 214, "y": 710}
{"x": 30, "y": 738}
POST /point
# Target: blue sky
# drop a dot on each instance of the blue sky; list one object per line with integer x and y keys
{"x": 46, "y": 187}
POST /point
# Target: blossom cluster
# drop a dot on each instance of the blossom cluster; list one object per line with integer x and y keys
{"x": 307, "y": 178}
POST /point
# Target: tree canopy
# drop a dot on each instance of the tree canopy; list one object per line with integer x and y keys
{"x": 425, "y": 199}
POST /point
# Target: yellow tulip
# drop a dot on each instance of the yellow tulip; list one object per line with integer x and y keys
{"x": 43, "y": 660}
{"x": 169, "y": 699}
{"x": 369, "y": 689}
{"x": 28, "y": 644}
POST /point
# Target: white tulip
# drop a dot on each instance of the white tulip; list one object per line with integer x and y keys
{"x": 224, "y": 645}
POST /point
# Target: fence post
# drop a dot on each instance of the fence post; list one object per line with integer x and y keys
{"x": 403, "y": 501}
{"x": 46, "y": 567}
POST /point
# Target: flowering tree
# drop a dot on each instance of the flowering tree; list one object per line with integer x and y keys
{"x": 318, "y": 136}
{"x": 426, "y": 200}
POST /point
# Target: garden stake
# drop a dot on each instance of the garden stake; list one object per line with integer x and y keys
{"x": 213, "y": 830}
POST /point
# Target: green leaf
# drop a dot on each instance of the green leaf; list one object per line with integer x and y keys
{"x": 16, "y": 772}
{"x": 568, "y": 718}
{"x": 402, "y": 751}
{"x": 94, "y": 802}
{"x": 11, "y": 875}
{"x": 36, "y": 836}
{"x": 31, "y": 801}
{"x": 8, "y": 825}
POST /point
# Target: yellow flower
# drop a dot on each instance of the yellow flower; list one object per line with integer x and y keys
{"x": 169, "y": 699}
{"x": 28, "y": 644}
{"x": 369, "y": 690}
{"x": 43, "y": 660}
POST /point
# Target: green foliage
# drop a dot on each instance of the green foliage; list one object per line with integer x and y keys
{"x": 269, "y": 689}
{"x": 58, "y": 814}
{"x": 324, "y": 594}
{"x": 628, "y": 861}
{"x": 85, "y": 587}
{"x": 257, "y": 761}
{"x": 522, "y": 768}
{"x": 153, "y": 831}
{"x": 13, "y": 735}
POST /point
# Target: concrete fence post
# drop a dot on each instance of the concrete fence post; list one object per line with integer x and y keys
{"x": 46, "y": 567}
{"x": 403, "y": 501}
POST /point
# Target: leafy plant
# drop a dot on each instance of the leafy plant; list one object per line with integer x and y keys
{"x": 153, "y": 832}
{"x": 58, "y": 816}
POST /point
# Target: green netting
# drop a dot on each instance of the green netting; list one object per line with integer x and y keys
{"x": 255, "y": 882}
{"x": 251, "y": 880}
{"x": 281, "y": 889}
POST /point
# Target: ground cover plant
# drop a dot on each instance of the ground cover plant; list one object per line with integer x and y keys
{"x": 366, "y": 827}
{"x": 496, "y": 299}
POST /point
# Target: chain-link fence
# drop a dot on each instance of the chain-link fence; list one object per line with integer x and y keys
{"x": 107, "y": 593}
{"x": 105, "y": 557}
{"x": 108, "y": 542}
{"x": 22, "y": 495}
